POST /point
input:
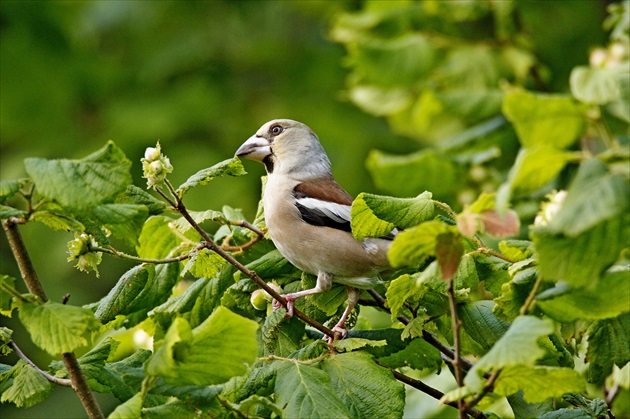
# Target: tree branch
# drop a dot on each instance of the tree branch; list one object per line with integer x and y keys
{"x": 456, "y": 359}
{"x": 488, "y": 387}
{"x": 79, "y": 382}
{"x": 210, "y": 244}
{"x": 23, "y": 259}
{"x": 60, "y": 381}
{"x": 433, "y": 392}
{"x": 432, "y": 340}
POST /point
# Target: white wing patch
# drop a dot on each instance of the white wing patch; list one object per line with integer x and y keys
{"x": 336, "y": 212}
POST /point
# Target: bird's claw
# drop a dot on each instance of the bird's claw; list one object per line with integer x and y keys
{"x": 276, "y": 305}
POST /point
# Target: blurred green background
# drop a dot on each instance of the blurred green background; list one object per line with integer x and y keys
{"x": 200, "y": 76}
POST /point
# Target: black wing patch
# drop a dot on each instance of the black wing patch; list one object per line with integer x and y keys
{"x": 318, "y": 217}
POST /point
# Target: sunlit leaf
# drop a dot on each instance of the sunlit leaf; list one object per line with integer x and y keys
{"x": 83, "y": 183}
{"x": 366, "y": 389}
{"x": 303, "y": 390}
{"x": 543, "y": 120}
{"x": 230, "y": 167}
{"x": 58, "y": 328}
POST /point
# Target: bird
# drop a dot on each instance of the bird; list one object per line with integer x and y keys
{"x": 307, "y": 214}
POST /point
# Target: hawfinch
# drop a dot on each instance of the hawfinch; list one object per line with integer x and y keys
{"x": 308, "y": 214}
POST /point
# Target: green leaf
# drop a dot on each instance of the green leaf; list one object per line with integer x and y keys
{"x": 597, "y": 86}
{"x": 58, "y": 328}
{"x": 128, "y": 287}
{"x": 414, "y": 173}
{"x": 480, "y": 323}
{"x": 8, "y": 188}
{"x": 571, "y": 258}
{"x": 536, "y": 166}
{"x": 272, "y": 265}
{"x": 540, "y": 119}
{"x": 138, "y": 196}
{"x": 5, "y": 338}
{"x": 173, "y": 409}
{"x": 412, "y": 246}
{"x": 607, "y": 345}
{"x": 230, "y": 167}
{"x": 57, "y": 220}
{"x": 418, "y": 354}
{"x": 376, "y": 216}
{"x": 7, "y": 285}
{"x": 392, "y": 61}
{"x": 28, "y": 388}
{"x": 366, "y": 389}
{"x": 8, "y": 212}
{"x": 281, "y": 336}
{"x": 125, "y": 221}
{"x": 157, "y": 240}
{"x": 183, "y": 225}
{"x": 399, "y": 290}
{"x": 204, "y": 264}
{"x": 352, "y": 344}
{"x": 595, "y": 195}
{"x": 517, "y": 346}
{"x": 212, "y": 353}
{"x": 609, "y": 298}
{"x": 304, "y": 391}
{"x": 84, "y": 183}
{"x": 538, "y": 383}
{"x": 132, "y": 408}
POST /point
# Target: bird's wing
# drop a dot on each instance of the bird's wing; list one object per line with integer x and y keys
{"x": 323, "y": 202}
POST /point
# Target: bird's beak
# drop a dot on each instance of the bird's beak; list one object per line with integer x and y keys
{"x": 255, "y": 148}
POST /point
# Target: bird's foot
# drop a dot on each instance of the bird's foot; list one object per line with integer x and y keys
{"x": 290, "y": 300}
{"x": 339, "y": 332}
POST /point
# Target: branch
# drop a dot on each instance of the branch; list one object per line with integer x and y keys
{"x": 530, "y": 298}
{"x": 487, "y": 388}
{"x": 210, "y": 244}
{"x": 79, "y": 382}
{"x": 431, "y": 340}
{"x": 433, "y": 392}
{"x": 456, "y": 363}
{"x": 23, "y": 259}
{"x": 61, "y": 381}
{"x": 117, "y": 253}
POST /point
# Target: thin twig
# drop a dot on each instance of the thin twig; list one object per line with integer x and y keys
{"x": 210, "y": 244}
{"x": 249, "y": 226}
{"x": 485, "y": 250}
{"x": 78, "y": 379}
{"x": 117, "y": 253}
{"x": 487, "y": 388}
{"x": 433, "y": 392}
{"x": 56, "y": 380}
{"x": 432, "y": 340}
{"x": 456, "y": 344}
{"x": 530, "y": 298}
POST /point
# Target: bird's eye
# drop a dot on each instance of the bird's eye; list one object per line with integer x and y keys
{"x": 276, "y": 129}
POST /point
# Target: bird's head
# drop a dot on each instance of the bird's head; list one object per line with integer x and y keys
{"x": 288, "y": 147}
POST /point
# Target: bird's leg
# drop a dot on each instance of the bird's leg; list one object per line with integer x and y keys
{"x": 324, "y": 282}
{"x": 353, "y": 298}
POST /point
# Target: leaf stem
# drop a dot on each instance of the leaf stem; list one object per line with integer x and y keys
{"x": 56, "y": 380}
{"x": 456, "y": 344}
{"x": 210, "y": 244}
{"x": 29, "y": 275}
